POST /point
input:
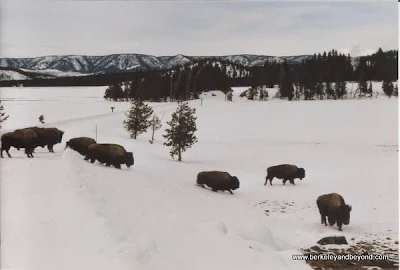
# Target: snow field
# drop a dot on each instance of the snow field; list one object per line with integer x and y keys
{"x": 64, "y": 212}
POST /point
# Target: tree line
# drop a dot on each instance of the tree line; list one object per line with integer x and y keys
{"x": 318, "y": 77}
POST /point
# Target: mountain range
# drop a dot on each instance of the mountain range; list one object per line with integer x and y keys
{"x": 81, "y": 64}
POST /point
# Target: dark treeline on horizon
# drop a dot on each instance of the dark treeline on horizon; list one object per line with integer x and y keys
{"x": 188, "y": 81}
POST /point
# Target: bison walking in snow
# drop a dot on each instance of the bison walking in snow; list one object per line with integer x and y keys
{"x": 286, "y": 172}
{"x": 333, "y": 206}
{"x": 217, "y": 180}
{"x": 46, "y": 136}
{"x": 80, "y": 144}
{"x": 27, "y": 139}
{"x": 110, "y": 154}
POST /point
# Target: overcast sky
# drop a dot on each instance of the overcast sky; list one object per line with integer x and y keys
{"x": 34, "y": 28}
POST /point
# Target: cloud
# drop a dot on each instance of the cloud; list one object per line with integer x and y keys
{"x": 34, "y": 28}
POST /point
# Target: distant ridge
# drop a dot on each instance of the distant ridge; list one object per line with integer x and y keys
{"x": 130, "y": 62}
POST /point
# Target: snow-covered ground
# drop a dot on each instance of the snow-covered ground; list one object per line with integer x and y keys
{"x": 61, "y": 212}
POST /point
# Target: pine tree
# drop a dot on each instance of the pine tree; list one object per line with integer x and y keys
{"x": 252, "y": 93}
{"x": 369, "y": 90}
{"x": 263, "y": 94}
{"x": 329, "y": 90}
{"x": 229, "y": 96}
{"x": 137, "y": 121}
{"x": 388, "y": 88}
{"x": 41, "y": 119}
{"x": 180, "y": 136}
{"x": 3, "y": 116}
{"x": 319, "y": 90}
{"x": 155, "y": 124}
{"x": 342, "y": 89}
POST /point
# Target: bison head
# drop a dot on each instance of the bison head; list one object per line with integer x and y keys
{"x": 344, "y": 211}
{"x": 234, "y": 183}
{"x": 129, "y": 159}
{"x": 59, "y": 136}
{"x": 301, "y": 173}
{"x": 66, "y": 145}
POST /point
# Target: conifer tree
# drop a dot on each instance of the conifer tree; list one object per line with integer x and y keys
{"x": 3, "y": 116}
{"x": 342, "y": 89}
{"x": 180, "y": 135}
{"x": 137, "y": 121}
{"x": 388, "y": 88}
{"x": 369, "y": 90}
{"x": 41, "y": 119}
{"x": 263, "y": 94}
{"x": 229, "y": 96}
{"x": 319, "y": 90}
{"x": 155, "y": 124}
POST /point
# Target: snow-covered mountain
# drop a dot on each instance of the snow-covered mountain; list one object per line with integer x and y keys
{"x": 129, "y": 62}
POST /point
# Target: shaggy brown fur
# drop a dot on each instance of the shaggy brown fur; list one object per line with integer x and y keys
{"x": 110, "y": 154}
{"x": 80, "y": 144}
{"x": 47, "y": 136}
{"x": 27, "y": 139}
{"x": 218, "y": 180}
{"x": 334, "y": 207}
{"x": 286, "y": 172}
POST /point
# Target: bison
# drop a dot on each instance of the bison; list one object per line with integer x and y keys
{"x": 285, "y": 172}
{"x": 47, "y": 136}
{"x": 333, "y": 206}
{"x": 110, "y": 154}
{"x": 80, "y": 144}
{"x": 217, "y": 180}
{"x": 27, "y": 139}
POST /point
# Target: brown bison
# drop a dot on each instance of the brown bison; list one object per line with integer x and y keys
{"x": 47, "y": 136}
{"x": 27, "y": 139}
{"x": 110, "y": 154}
{"x": 80, "y": 144}
{"x": 285, "y": 172}
{"x": 217, "y": 180}
{"x": 333, "y": 206}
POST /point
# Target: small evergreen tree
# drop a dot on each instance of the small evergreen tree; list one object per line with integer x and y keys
{"x": 362, "y": 87}
{"x": 41, "y": 119}
{"x": 252, "y": 93}
{"x": 229, "y": 96}
{"x": 388, "y": 88}
{"x": 263, "y": 94}
{"x": 137, "y": 121}
{"x": 155, "y": 124}
{"x": 319, "y": 90}
{"x": 369, "y": 90}
{"x": 396, "y": 91}
{"x": 180, "y": 136}
{"x": 3, "y": 116}
{"x": 342, "y": 89}
{"x": 329, "y": 90}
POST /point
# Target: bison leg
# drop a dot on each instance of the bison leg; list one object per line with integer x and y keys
{"x": 118, "y": 166}
{"x": 268, "y": 178}
{"x": 214, "y": 190}
{"x": 92, "y": 160}
{"x": 230, "y": 191}
{"x": 284, "y": 181}
{"x": 86, "y": 157}
{"x": 292, "y": 181}
{"x": 323, "y": 220}
{"x": 331, "y": 220}
{"x": 108, "y": 164}
{"x": 339, "y": 223}
{"x": 50, "y": 147}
